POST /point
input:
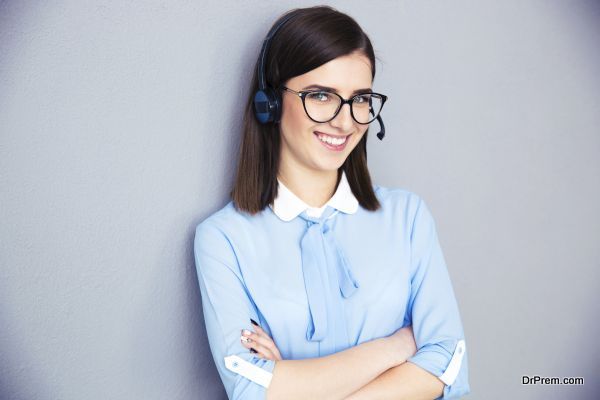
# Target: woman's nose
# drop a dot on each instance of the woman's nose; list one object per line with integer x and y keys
{"x": 343, "y": 120}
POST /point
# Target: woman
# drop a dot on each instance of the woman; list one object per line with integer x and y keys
{"x": 338, "y": 286}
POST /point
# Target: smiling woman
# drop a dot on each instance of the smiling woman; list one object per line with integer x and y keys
{"x": 316, "y": 283}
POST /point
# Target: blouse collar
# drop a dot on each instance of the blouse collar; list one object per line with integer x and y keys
{"x": 288, "y": 206}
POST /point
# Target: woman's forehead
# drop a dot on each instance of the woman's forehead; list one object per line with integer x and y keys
{"x": 347, "y": 73}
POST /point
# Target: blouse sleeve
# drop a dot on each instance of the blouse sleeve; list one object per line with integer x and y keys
{"x": 434, "y": 311}
{"x": 227, "y": 309}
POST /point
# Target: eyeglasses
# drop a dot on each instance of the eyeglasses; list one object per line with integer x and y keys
{"x": 323, "y": 106}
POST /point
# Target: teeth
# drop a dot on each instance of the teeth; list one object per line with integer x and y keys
{"x": 332, "y": 141}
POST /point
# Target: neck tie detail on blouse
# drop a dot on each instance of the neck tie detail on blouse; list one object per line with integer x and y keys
{"x": 328, "y": 280}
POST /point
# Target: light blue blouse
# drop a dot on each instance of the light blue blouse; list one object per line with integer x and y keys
{"x": 319, "y": 281}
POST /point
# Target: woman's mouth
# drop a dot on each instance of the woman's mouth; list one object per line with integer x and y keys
{"x": 333, "y": 143}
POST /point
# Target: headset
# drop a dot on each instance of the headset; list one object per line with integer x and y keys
{"x": 267, "y": 101}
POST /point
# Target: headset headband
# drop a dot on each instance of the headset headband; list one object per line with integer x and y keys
{"x": 262, "y": 80}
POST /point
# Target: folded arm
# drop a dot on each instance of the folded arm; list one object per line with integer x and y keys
{"x": 405, "y": 381}
{"x": 334, "y": 376}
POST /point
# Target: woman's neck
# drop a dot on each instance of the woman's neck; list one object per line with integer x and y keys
{"x": 312, "y": 187}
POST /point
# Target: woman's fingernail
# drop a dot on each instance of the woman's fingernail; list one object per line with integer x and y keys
{"x": 253, "y": 321}
{"x": 253, "y": 351}
{"x": 245, "y": 339}
{"x": 246, "y": 332}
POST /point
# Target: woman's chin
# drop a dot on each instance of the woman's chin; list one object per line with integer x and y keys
{"x": 329, "y": 167}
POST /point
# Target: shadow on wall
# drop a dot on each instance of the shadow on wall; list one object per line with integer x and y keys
{"x": 17, "y": 364}
{"x": 170, "y": 350}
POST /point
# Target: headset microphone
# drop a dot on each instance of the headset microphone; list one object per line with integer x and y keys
{"x": 381, "y": 133}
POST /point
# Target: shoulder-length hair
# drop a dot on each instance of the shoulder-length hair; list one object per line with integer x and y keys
{"x": 311, "y": 38}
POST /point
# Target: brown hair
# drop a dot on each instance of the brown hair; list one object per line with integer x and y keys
{"x": 311, "y": 38}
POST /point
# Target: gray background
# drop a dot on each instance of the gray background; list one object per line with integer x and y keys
{"x": 119, "y": 122}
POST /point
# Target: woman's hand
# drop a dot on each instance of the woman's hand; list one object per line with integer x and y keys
{"x": 403, "y": 342}
{"x": 261, "y": 343}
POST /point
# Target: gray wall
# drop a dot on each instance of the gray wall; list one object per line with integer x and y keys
{"x": 118, "y": 126}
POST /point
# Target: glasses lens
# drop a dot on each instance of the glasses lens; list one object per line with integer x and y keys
{"x": 366, "y": 107}
{"x": 321, "y": 106}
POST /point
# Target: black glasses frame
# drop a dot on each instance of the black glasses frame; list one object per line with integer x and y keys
{"x": 304, "y": 93}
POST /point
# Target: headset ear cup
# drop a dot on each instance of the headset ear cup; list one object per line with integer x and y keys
{"x": 274, "y": 104}
{"x": 262, "y": 106}
{"x": 267, "y": 106}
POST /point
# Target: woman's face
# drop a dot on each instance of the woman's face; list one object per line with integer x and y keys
{"x": 301, "y": 146}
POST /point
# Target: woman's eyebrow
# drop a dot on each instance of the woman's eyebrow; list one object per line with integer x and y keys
{"x": 330, "y": 89}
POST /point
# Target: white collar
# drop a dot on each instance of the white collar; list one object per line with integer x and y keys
{"x": 288, "y": 206}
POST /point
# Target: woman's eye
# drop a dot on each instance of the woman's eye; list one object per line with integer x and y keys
{"x": 322, "y": 96}
{"x": 362, "y": 99}
{"x": 319, "y": 97}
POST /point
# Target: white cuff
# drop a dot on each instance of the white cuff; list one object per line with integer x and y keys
{"x": 248, "y": 370}
{"x": 451, "y": 372}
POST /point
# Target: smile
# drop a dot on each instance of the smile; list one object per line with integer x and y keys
{"x": 332, "y": 142}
